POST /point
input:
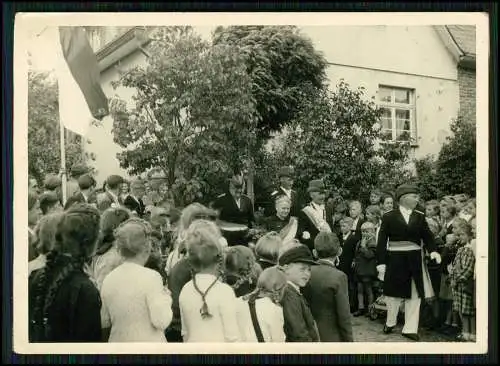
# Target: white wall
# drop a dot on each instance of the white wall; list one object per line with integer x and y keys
{"x": 101, "y": 137}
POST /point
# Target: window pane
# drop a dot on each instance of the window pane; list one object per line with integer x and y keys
{"x": 402, "y": 114}
{"x": 402, "y": 96}
{"x": 386, "y": 118}
{"x": 403, "y": 124}
{"x": 385, "y": 94}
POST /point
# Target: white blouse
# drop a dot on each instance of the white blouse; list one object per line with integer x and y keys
{"x": 269, "y": 316}
{"x": 135, "y": 304}
{"x": 222, "y": 305}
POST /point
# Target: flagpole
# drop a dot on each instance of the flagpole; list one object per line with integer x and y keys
{"x": 63, "y": 161}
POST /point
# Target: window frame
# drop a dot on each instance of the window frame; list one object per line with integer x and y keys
{"x": 392, "y": 106}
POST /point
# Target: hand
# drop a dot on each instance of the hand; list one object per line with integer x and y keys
{"x": 381, "y": 272}
{"x": 436, "y": 257}
{"x": 306, "y": 235}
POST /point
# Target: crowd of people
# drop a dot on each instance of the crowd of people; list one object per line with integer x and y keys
{"x": 123, "y": 264}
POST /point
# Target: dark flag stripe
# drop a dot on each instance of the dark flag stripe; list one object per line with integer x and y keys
{"x": 83, "y": 65}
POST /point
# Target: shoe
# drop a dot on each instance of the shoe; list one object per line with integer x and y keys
{"x": 359, "y": 312}
{"x": 388, "y": 329}
{"x": 412, "y": 336}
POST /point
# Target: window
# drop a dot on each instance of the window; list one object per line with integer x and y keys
{"x": 398, "y": 114}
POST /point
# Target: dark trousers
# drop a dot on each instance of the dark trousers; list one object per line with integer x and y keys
{"x": 173, "y": 336}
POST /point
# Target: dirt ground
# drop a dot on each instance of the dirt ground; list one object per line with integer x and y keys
{"x": 367, "y": 330}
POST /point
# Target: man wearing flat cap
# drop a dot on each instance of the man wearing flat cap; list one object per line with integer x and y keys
{"x": 312, "y": 218}
{"x": 285, "y": 176}
{"x": 400, "y": 259}
{"x": 134, "y": 201}
{"x": 86, "y": 183}
{"x": 236, "y": 208}
{"x": 111, "y": 195}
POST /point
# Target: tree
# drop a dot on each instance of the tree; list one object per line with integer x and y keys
{"x": 281, "y": 62}
{"x": 335, "y": 137}
{"x": 193, "y": 114}
{"x": 283, "y": 66}
{"x": 454, "y": 170}
{"x": 43, "y": 129}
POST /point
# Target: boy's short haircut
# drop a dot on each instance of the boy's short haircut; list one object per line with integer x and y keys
{"x": 327, "y": 245}
{"x": 374, "y": 210}
{"x": 367, "y": 226}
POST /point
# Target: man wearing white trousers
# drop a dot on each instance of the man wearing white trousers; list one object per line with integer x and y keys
{"x": 399, "y": 259}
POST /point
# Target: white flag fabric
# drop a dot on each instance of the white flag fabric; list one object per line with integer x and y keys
{"x": 81, "y": 98}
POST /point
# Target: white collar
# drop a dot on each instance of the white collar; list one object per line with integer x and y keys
{"x": 297, "y": 288}
{"x": 405, "y": 211}
{"x": 286, "y": 190}
{"x": 345, "y": 236}
{"x": 317, "y": 207}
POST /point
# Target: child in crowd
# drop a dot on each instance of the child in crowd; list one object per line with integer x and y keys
{"x": 445, "y": 295}
{"x": 432, "y": 211}
{"x": 346, "y": 259}
{"x": 365, "y": 267}
{"x": 296, "y": 263}
{"x": 356, "y": 213}
{"x": 386, "y": 203}
{"x": 241, "y": 269}
{"x": 208, "y": 307}
{"x": 469, "y": 210}
{"x": 462, "y": 284}
{"x": 327, "y": 291}
{"x": 260, "y": 315}
{"x": 375, "y": 196}
{"x": 435, "y": 271}
{"x": 267, "y": 249}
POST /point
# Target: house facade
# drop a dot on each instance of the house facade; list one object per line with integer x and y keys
{"x": 422, "y": 77}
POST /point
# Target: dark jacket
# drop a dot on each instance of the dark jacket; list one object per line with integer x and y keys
{"x": 229, "y": 211}
{"x": 402, "y": 267}
{"x": 74, "y": 315}
{"x": 178, "y": 277}
{"x": 364, "y": 260}
{"x": 299, "y": 322}
{"x": 327, "y": 294}
{"x": 305, "y": 224}
{"x": 135, "y": 205}
{"x": 347, "y": 256}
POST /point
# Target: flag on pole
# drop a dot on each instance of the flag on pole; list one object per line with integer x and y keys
{"x": 81, "y": 98}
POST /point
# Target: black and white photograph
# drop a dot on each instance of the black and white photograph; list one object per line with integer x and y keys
{"x": 223, "y": 179}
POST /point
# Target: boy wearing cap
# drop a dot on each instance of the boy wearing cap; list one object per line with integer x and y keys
{"x": 285, "y": 176}
{"x": 399, "y": 257}
{"x": 327, "y": 292}
{"x": 296, "y": 263}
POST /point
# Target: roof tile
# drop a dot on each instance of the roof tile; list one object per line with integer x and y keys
{"x": 465, "y": 37}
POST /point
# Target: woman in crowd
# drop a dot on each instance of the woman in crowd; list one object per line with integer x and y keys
{"x": 136, "y": 307}
{"x": 107, "y": 256}
{"x": 192, "y": 212}
{"x": 386, "y": 203}
{"x": 64, "y": 304}
{"x": 45, "y": 232}
{"x": 281, "y": 222}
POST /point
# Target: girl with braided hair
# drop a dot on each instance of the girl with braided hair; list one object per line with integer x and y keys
{"x": 208, "y": 307}
{"x": 136, "y": 307}
{"x": 64, "y": 304}
{"x": 241, "y": 269}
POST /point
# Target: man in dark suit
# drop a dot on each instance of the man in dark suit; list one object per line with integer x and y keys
{"x": 112, "y": 192}
{"x": 235, "y": 208}
{"x": 312, "y": 218}
{"x": 134, "y": 199}
{"x": 285, "y": 189}
{"x": 327, "y": 292}
{"x": 85, "y": 184}
{"x": 399, "y": 257}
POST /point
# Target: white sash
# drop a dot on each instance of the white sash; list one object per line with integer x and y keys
{"x": 317, "y": 219}
{"x": 290, "y": 230}
{"x": 428, "y": 291}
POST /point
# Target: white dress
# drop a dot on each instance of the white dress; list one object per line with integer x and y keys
{"x": 222, "y": 305}
{"x": 135, "y": 304}
{"x": 269, "y": 316}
